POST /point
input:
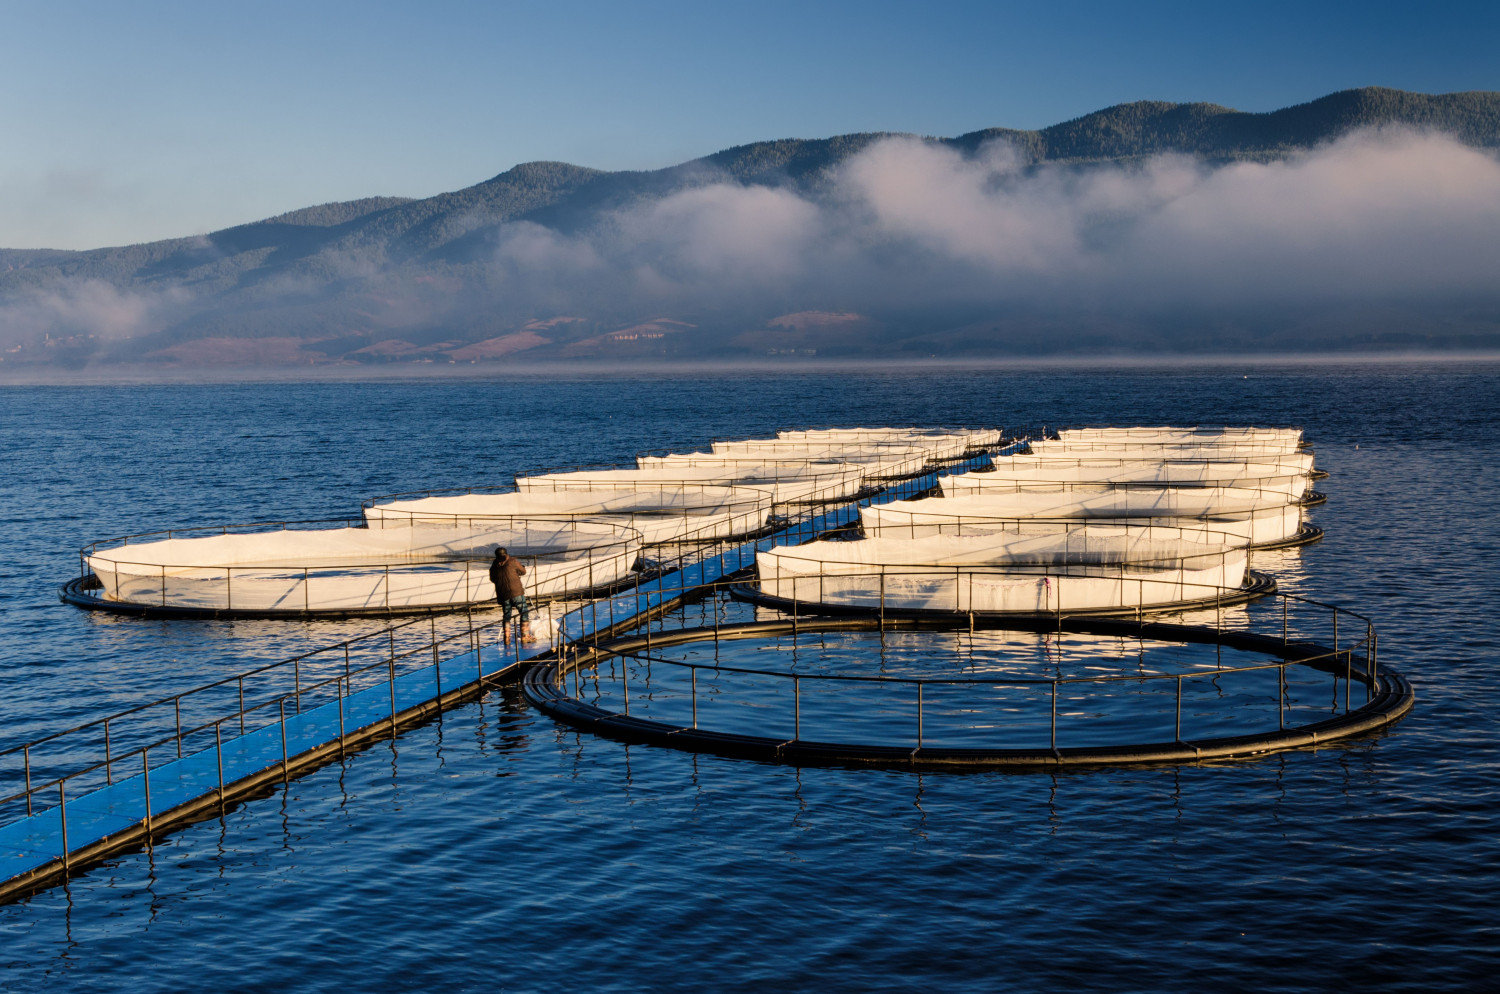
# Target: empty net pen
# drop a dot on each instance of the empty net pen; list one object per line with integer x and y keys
{"x": 972, "y": 692}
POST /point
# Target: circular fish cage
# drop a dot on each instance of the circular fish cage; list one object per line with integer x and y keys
{"x": 1129, "y": 569}
{"x": 683, "y": 513}
{"x": 312, "y": 570}
{"x": 1234, "y": 516}
{"x": 790, "y": 484}
{"x": 971, "y": 693}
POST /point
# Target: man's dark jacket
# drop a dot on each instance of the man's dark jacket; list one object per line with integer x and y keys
{"x": 506, "y": 575}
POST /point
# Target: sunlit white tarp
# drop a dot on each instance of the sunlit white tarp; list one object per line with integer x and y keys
{"x": 1291, "y": 437}
{"x": 877, "y": 458}
{"x": 1031, "y": 470}
{"x": 667, "y": 514}
{"x": 1230, "y": 516}
{"x": 870, "y": 465}
{"x": 1287, "y": 463}
{"x": 344, "y": 569}
{"x": 1098, "y": 569}
{"x": 974, "y": 437}
{"x": 790, "y": 482}
{"x": 754, "y": 467}
{"x": 933, "y": 447}
{"x": 1171, "y": 451}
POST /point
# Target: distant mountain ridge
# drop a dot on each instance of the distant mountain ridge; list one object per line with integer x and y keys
{"x": 1220, "y": 134}
{"x": 306, "y": 273}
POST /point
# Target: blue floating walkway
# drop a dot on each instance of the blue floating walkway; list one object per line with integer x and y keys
{"x": 40, "y": 849}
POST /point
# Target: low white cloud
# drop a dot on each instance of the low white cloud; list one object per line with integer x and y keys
{"x": 1377, "y": 217}
{"x": 1373, "y": 216}
{"x": 86, "y": 308}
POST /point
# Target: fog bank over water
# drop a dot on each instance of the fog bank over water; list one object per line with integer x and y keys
{"x": 1374, "y": 216}
{"x": 1384, "y": 238}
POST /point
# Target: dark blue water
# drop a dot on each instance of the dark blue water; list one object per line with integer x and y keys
{"x": 498, "y": 851}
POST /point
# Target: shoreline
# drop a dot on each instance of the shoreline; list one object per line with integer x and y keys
{"x": 142, "y": 375}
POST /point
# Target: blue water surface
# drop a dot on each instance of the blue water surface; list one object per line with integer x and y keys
{"x": 495, "y": 850}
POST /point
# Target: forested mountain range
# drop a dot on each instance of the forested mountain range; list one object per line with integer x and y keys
{"x": 393, "y": 279}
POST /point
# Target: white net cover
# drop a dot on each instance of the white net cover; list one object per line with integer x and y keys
{"x": 870, "y": 464}
{"x": 359, "y": 569}
{"x": 932, "y": 447}
{"x": 1167, "y": 433}
{"x": 1100, "y": 569}
{"x": 668, "y": 514}
{"x": 1278, "y": 464}
{"x": 1248, "y": 450}
{"x": 974, "y": 437}
{"x": 794, "y": 482}
{"x": 1031, "y": 470}
{"x": 1229, "y": 516}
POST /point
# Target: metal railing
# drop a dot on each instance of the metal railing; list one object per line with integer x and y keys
{"x": 641, "y": 597}
{"x": 1346, "y": 659}
{"x": 1239, "y": 529}
{"x": 215, "y": 713}
{"x": 374, "y": 583}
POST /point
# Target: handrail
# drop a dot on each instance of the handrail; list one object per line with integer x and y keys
{"x": 210, "y": 686}
{"x": 181, "y": 734}
{"x": 211, "y": 530}
{"x": 645, "y": 487}
{"x": 1292, "y": 652}
{"x": 992, "y": 681}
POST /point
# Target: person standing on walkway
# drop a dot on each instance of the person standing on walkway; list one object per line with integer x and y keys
{"x": 505, "y": 573}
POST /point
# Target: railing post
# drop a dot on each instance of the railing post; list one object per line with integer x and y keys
{"x": 1281, "y": 696}
{"x": 26, "y": 753}
{"x": 625, "y": 680}
{"x": 1349, "y": 675}
{"x": 392, "y": 670}
{"x": 340, "y": 686}
{"x": 62, "y": 814}
{"x": 219, "y": 754}
{"x": 1219, "y": 620}
{"x": 1178, "y": 731}
{"x": 694, "y": 676}
{"x": 919, "y": 714}
{"x": 281, "y": 708}
{"x": 1054, "y": 715}
{"x": 146, "y": 781}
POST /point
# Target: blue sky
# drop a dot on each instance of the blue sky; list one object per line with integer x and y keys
{"x": 129, "y": 122}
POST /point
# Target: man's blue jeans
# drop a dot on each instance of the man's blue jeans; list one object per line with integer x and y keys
{"x": 509, "y": 604}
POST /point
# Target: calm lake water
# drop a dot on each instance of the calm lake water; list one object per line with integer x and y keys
{"x": 496, "y": 850}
